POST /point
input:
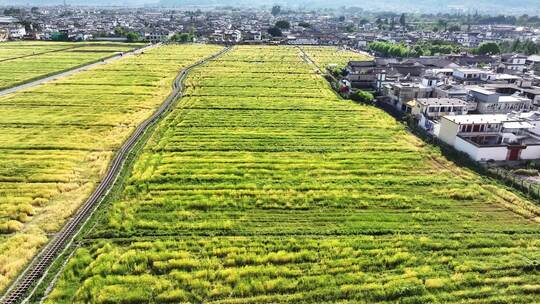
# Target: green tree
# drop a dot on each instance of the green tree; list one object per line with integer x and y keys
{"x": 133, "y": 36}
{"x": 120, "y": 32}
{"x": 387, "y": 49}
{"x": 283, "y": 24}
{"x": 59, "y": 36}
{"x": 488, "y": 48}
{"x": 182, "y": 37}
{"x": 363, "y": 96}
{"x": 304, "y": 24}
{"x": 275, "y": 32}
{"x": 516, "y": 45}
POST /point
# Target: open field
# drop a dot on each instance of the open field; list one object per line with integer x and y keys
{"x": 57, "y": 139}
{"x": 324, "y": 56}
{"x": 27, "y": 60}
{"x": 264, "y": 187}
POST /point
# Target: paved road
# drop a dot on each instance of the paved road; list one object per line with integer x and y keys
{"x": 71, "y": 72}
{"x": 22, "y": 288}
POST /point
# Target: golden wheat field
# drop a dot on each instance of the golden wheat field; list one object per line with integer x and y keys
{"x": 57, "y": 139}
{"x": 263, "y": 186}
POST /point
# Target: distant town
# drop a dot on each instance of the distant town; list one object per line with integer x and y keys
{"x": 352, "y": 27}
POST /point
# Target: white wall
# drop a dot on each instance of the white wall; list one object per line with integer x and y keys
{"x": 448, "y": 131}
{"x": 531, "y": 152}
{"x": 481, "y": 154}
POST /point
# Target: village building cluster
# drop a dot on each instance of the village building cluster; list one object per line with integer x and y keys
{"x": 235, "y": 25}
{"x": 485, "y": 106}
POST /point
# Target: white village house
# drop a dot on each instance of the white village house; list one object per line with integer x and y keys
{"x": 428, "y": 111}
{"x": 498, "y": 137}
{"x": 491, "y": 102}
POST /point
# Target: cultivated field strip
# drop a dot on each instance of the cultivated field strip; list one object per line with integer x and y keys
{"x": 58, "y": 141}
{"x": 23, "y": 61}
{"x": 261, "y": 191}
{"x": 323, "y": 57}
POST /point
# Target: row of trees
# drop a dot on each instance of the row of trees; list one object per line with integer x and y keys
{"x": 182, "y": 37}
{"x": 487, "y": 48}
{"x": 526, "y": 47}
{"x": 135, "y": 36}
{"x": 435, "y": 47}
{"x": 388, "y": 49}
{"x": 426, "y": 48}
{"x": 276, "y": 30}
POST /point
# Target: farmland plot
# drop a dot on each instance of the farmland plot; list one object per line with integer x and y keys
{"x": 57, "y": 139}
{"x": 324, "y": 56}
{"x": 264, "y": 187}
{"x": 24, "y": 61}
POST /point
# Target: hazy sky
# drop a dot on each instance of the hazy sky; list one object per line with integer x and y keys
{"x": 531, "y": 7}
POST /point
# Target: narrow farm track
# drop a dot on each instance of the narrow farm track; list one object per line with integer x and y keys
{"x": 38, "y": 268}
{"x": 310, "y": 61}
{"x": 71, "y": 71}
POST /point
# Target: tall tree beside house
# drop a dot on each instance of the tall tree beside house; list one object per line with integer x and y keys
{"x": 275, "y": 32}
{"x": 283, "y": 24}
{"x": 276, "y": 10}
{"x": 363, "y": 96}
{"x": 527, "y": 47}
{"x": 120, "y": 32}
{"x": 28, "y": 27}
{"x": 133, "y": 36}
{"x": 488, "y": 48}
{"x": 516, "y": 45}
{"x": 182, "y": 37}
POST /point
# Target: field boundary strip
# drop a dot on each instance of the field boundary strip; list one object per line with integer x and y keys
{"x": 67, "y": 72}
{"x": 23, "y": 287}
{"x": 40, "y": 53}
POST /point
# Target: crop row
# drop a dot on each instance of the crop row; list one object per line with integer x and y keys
{"x": 21, "y": 62}
{"x": 263, "y": 186}
{"x": 58, "y": 138}
{"x": 340, "y": 57}
{"x": 383, "y": 269}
